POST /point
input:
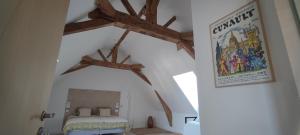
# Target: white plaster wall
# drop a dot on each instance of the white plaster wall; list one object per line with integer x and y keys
{"x": 259, "y": 109}
{"x": 132, "y": 89}
{"x": 163, "y": 82}
{"x": 178, "y": 121}
{"x": 291, "y": 36}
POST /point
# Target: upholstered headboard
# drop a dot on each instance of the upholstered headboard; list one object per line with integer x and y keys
{"x": 94, "y": 99}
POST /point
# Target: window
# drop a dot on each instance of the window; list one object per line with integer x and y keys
{"x": 188, "y": 84}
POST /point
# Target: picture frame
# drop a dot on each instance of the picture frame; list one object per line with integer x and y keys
{"x": 239, "y": 47}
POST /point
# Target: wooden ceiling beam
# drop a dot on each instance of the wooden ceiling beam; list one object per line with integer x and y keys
{"x": 122, "y": 38}
{"x": 187, "y": 46}
{"x": 92, "y": 61}
{"x": 140, "y": 26}
{"x": 148, "y": 11}
{"x": 115, "y": 49}
{"x": 142, "y": 11}
{"x": 128, "y": 7}
{"x": 76, "y": 68}
{"x": 117, "y": 45}
{"x": 115, "y": 54}
{"x": 153, "y": 30}
{"x": 168, "y": 23}
{"x": 123, "y": 61}
{"x": 187, "y": 36}
{"x": 154, "y": 10}
{"x": 89, "y": 61}
{"x": 106, "y": 7}
{"x": 166, "y": 108}
{"x": 132, "y": 23}
{"x": 137, "y": 66}
{"x": 86, "y": 25}
{"x": 86, "y": 59}
{"x": 151, "y": 11}
{"x": 142, "y": 76}
{"x": 102, "y": 55}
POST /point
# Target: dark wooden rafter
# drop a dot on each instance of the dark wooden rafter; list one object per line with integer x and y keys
{"x": 142, "y": 11}
{"x": 76, "y": 68}
{"x": 148, "y": 11}
{"x": 187, "y": 36}
{"x": 129, "y": 7}
{"x": 86, "y": 25}
{"x": 139, "y": 26}
{"x": 166, "y": 108}
{"x": 106, "y": 7}
{"x": 123, "y": 61}
{"x": 122, "y": 38}
{"x": 187, "y": 46}
{"x": 102, "y": 55}
{"x": 168, "y": 23}
{"x": 118, "y": 44}
{"x": 141, "y": 75}
{"x": 155, "y": 31}
{"x": 151, "y": 11}
{"x": 132, "y": 23}
{"x": 115, "y": 51}
{"x": 89, "y": 61}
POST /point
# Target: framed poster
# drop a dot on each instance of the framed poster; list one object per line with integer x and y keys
{"x": 240, "y": 49}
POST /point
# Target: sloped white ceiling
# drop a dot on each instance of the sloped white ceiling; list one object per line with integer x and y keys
{"x": 161, "y": 58}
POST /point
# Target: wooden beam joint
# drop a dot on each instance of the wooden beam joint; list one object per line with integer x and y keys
{"x": 76, "y": 68}
{"x": 187, "y": 46}
{"x": 102, "y": 55}
{"x": 105, "y": 15}
{"x": 128, "y": 7}
{"x": 141, "y": 75}
{"x": 166, "y": 108}
{"x": 168, "y": 23}
{"x": 125, "y": 59}
{"x": 151, "y": 11}
{"x": 86, "y": 25}
{"x": 106, "y": 7}
{"x": 187, "y": 36}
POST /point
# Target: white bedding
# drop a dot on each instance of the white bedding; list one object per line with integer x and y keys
{"x": 86, "y": 125}
{"x": 95, "y": 119}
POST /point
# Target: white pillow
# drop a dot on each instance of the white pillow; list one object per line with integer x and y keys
{"x": 85, "y": 112}
{"x": 105, "y": 112}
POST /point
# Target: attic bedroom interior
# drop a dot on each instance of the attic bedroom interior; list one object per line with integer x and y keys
{"x": 150, "y": 67}
{"x": 115, "y": 66}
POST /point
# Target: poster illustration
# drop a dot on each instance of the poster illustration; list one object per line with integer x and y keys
{"x": 240, "y": 51}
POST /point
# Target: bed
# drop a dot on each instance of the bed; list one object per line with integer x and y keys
{"x": 96, "y": 115}
{"x": 95, "y": 125}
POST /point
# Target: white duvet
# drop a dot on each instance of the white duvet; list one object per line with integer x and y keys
{"x": 95, "y": 119}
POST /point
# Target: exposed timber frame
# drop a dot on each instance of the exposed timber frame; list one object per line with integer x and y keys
{"x": 87, "y": 61}
{"x": 105, "y": 15}
{"x": 166, "y": 108}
